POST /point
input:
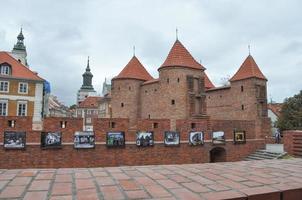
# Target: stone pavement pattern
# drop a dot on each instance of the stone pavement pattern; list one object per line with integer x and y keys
{"x": 266, "y": 179}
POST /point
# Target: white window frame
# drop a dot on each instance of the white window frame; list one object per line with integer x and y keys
{"x": 6, "y": 111}
{"x": 7, "y": 91}
{"x": 21, "y": 92}
{"x": 5, "y": 68}
{"x": 18, "y": 104}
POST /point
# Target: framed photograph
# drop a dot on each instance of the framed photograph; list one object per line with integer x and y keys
{"x": 51, "y": 139}
{"x": 218, "y": 137}
{"x": 115, "y": 139}
{"x": 196, "y": 138}
{"x": 144, "y": 138}
{"x": 14, "y": 140}
{"x": 239, "y": 137}
{"x": 172, "y": 138}
{"x": 84, "y": 140}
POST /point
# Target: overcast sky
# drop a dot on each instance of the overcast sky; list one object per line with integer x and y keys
{"x": 59, "y": 35}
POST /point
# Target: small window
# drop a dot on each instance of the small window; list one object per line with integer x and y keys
{"x": 63, "y": 124}
{"x": 4, "y": 86}
{"x": 119, "y": 88}
{"x": 193, "y": 125}
{"x": 122, "y": 105}
{"x": 172, "y": 101}
{"x": 129, "y": 88}
{"x": 242, "y": 88}
{"x": 220, "y": 96}
{"x": 242, "y": 107}
{"x": 3, "y": 108}
{"x": 5, "y": 70}
{"x": 155, "y": 90}
{"x": 178, "y": 80}
{"x": 155, "y": 125}
{"x": 209, "y": 97}
{"x": 168, "y": 80}
{"x": 149, "y": 116}
{"x": 112, "y": 125}
{"x": 11, "y": 123}
{"x": 146, "y": 91}
{"x": 22, "y": 109}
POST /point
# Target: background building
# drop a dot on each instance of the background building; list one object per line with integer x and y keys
{"x": 87, "y": 89}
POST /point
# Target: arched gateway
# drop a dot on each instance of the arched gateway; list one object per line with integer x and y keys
{"x": 217, "y": 154}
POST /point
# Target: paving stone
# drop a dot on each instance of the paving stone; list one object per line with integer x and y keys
{"x": 63, "y": 178}
{"x": 61, "y": 188}
{"x": 145, "y": 181}
{"x": 105, "y": 181}
{"x": 120, "y": 176}
{"x": 20, "y": 181}
{"x": 43, "y": 176}
{"x": 40, "y": 185}
{"x": 137, "y": 194}
{"x": 66, "y": 197}
{"x": 112, "y": 192}
{"x": 129, "y": 185}
{"x": 234, "y": 195}
{"x": 84, "y": 184}
{"x": 182, "y": 193}
{"x": 196, "y": 187}
{"x": 2, "y": 184}
{"x": 41, "y": 195}
{"x": 169, "y": 184}
{"x": 157, "y": 191}
{"x": 12, "y": 192}
{"x": 87, "y": 194}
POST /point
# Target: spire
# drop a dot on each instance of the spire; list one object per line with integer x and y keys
{"x": 248, "y": 69}
{"x": 134, "y": 70}
{"x": 179, "y": 56}
{"x": 176, "y": 32}
{"x": 249, "y": 47}
{"x": 20, "y": 42}
{"x": 88, "y": 67}
{"x": 134, "y": 50}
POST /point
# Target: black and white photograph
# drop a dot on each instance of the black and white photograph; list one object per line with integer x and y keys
{"x": 14, "y": 140}
{"x": 115, "y": 139}
{"x": 172, "y": 138}
{"x": 51, "y": 139}
{"x": 239, "y": 137}
{"x": 196, "y": 138}
{"x": 84, "y": 140}
{"x": 218, "y": 137}
{"x": 144, "y": 138}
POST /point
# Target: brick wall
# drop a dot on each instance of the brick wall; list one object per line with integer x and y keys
{"x": 33, "y": 156}
{"x": 292, "y": 141}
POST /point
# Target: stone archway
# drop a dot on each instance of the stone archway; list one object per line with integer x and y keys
{"x": 217, "y": 154}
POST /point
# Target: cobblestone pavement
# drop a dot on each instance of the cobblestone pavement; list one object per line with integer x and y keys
{"x": 189, "y": 181}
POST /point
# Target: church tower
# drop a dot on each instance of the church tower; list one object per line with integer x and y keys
{"x": 87, "y": 89}
{"x": 19, "y": 50}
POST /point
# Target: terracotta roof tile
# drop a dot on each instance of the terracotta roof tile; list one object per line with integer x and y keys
{"x": 248, "y": 69}
{"x": 207, "y": 82}
{"x": 134, "y": 70}
{"x": 90, "y": 102}
{"x": 18, "y": 69}
{"x": 180, "y": 56}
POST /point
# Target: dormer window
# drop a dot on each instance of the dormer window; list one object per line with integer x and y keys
{"x": 5, "y": 69}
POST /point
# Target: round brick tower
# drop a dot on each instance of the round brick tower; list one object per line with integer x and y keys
{"x": 125, "y": 90}
{"x": 182, "y": 84}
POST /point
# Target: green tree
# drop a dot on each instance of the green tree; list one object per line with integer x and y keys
{"x": 74, "y": 106}
{"x": 291, "y": 113}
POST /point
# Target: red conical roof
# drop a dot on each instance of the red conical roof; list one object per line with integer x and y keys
{"x": 248, "y": 69}
{"x": 207, "y": 82}
{"x": 134, "y": 70}
{"x": 180, "y": 56}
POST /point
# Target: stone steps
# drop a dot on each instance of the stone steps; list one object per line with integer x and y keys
{"x": 263, "y": 154}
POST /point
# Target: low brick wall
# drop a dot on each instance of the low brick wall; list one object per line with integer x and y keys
{"x": 292, "y": 141}
{"x": 33, "y": 156}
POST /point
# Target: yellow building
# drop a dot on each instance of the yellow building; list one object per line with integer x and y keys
{"x": 21, "y": 90}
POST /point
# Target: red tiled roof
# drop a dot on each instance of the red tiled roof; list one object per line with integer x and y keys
{"x": 248, "y": 69}
{"x": 207, "y": 82}
{"x": 90, "y": 102}
{"x": 151, "y": 81}
{"x": 275, "y": 108}
{"x": 134, "y": 70}
{"x": 180, "y": 56}
{"x": 18, "y": 69}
